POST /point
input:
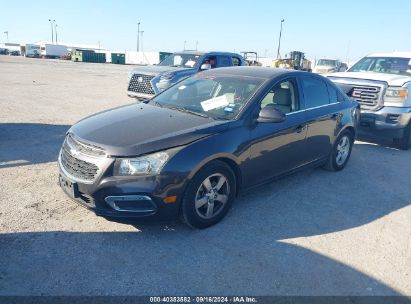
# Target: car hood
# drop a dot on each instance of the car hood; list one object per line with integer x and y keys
{"x": 157, "y": 69}
{"x": 325, "y": 67}
{"x": 390, "y": 79}
{"x": 142, "y": 128}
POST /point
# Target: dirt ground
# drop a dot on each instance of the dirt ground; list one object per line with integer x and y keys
{"x": 313, "y": 233}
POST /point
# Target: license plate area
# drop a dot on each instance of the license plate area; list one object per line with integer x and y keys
{"x": 71, "y": 188}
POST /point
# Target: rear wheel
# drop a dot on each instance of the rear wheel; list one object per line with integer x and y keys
{"x": 209, "y": 195}
{"x": 404, "y": 143}
{"x": 341, "y": 152}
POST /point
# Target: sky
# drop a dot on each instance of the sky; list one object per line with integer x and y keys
{"x": 343, "y": 29}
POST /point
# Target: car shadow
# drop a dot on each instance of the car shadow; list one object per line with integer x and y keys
{"x": 175, "y": 261}
{"x": 376, "y": 140}
{"x": 29, "y": 143}
{"x": 249, "y": 252}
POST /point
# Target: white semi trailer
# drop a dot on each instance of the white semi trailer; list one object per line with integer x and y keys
{"x": 53, "y": 51}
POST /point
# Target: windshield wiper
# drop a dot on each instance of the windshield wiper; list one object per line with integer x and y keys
{"x": 184, "y": 110}
{"x": 156, "y": 103}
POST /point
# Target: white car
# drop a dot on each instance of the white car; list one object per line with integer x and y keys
{"x": 381, "y": 83}
{"x": 324, "y": 66}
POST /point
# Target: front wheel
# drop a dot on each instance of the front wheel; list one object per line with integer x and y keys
{"x": 341, "y": 152}
{"x": 209, "y": 195}
{"x": 404, "y": 143}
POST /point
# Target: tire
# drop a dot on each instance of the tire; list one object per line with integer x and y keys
{"x": 206, "y": 203}
{"x": 341, "y": 152}
{"x": 404, "y": 143}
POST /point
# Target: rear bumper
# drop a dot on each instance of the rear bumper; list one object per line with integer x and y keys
{"x": 386, "y": 122}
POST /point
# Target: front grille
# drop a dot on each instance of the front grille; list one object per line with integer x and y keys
{"x": 77, "y": 168}
{"x": 140, "y": 83}
{"x": 366, "y": 95}
{"x": 83, "y": 148}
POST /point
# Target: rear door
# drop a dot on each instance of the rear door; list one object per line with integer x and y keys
{"x": 323, "y": 113}
{"x": 223, "y": 61}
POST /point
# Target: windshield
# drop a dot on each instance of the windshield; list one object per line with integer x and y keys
{"x": 327, "y": 62}
{"x": 180, "y": 60}
{"x": 390, "y": 65}
{"x": 220, "y": 97}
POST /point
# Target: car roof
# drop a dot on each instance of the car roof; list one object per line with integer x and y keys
{"x": 190, "y": 52}
{"x": 260, "y": 72}
{"x": 392, "y": 54}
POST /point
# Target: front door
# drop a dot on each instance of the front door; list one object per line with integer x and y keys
{"x": 278, "y": 147}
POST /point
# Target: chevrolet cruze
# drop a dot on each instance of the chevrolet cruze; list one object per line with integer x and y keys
{"x": 188, "y": 152}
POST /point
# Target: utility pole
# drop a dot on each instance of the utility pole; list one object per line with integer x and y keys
{"x": 55, "y": 29}
{"x": 7, "y": 35}
{"x": 142, "y": 41}
{"x": 197, "y": 45}
{"x": 347, "y": 57}
{"x": 279, "y": 39}
{"x": 52, "y": 30}
{"x": 185, "y": 41}
{"x": 138, "y": 36}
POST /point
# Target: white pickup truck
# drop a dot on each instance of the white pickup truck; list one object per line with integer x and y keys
{"x": 381, "y": 83}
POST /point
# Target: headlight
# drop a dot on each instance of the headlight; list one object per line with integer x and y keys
{"x": 396, "y": 94}
{"x": 148, "y": 164}
{"x": 166, "y": 77}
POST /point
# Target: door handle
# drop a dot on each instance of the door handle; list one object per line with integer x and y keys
{"x": 336, "y": 116}
{"x": 299, "y": 129}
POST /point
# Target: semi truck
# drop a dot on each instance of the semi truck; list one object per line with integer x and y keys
{"x": 53, "y": 51}
{"x": 33, "y": 50}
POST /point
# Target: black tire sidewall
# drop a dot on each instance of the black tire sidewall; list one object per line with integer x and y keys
{"x": 188, "y": 211}
{"x": 405, "y": 141}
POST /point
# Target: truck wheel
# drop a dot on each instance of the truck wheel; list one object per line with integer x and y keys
{"x": 341, "y": 152}
{"x": 209, "y": 195}
{"x": 404, "y": 143}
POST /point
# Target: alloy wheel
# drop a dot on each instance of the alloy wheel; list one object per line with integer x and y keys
{"x": 343, "y": 150}
{"x": 212, "y": 195}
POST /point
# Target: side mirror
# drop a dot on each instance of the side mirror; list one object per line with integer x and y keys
{"x": 205, "y": 66}
{"x": 270, "y": 114}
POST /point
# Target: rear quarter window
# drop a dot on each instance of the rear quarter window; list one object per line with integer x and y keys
{"x": 236, "y": 61}
{"x": 332, "y": 92}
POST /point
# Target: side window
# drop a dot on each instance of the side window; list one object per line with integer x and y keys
{"x": 223, "y": 61}
{"x": 236, "y": 61}
{"x": 315, "y": 92}
{"x": 340, "y": 96}
{"x": 211, "y": 60}
{"x": 284, "y": 96}
{"x": 333, "y": 94}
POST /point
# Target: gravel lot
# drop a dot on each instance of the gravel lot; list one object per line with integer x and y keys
{"x": 313, "y": 233}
